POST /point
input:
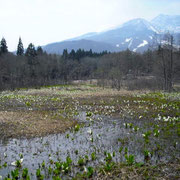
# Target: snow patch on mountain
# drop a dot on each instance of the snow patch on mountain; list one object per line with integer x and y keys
{"x": 153, "y": 29}
{"x": 144, "y": 43}
{"x": 130, "y": 43}
{"x": 150, "y": 37}
{"x": 134, "y": 50}
{"x": 128, "y": 39}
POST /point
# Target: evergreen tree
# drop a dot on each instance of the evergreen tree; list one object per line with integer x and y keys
{"x": 79, "y": 54}
{"x": 72, "y": 54}
{"x": 31, "y": 51}
{"x": 65, "y": 54}
{"x": 20, "y": 48}
{"x": 3, "y": 46}
{"x": 39, "y": 50}
{"x": 90, "y": 53}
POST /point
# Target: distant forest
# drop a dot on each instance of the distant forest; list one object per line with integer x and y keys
{"x": 153, "y": 69}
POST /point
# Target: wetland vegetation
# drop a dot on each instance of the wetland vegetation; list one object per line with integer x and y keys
{"x": 89, "y": 132}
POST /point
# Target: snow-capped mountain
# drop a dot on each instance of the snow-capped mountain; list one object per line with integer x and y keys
{"x": 165, "y": 23}
{"x": 136, "y": 35}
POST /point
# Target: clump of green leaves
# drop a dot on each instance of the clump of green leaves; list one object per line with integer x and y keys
{"x": 67, "y": 136}
{"x": 120, "y": 149}
{"x": 25, "y": 174}
{"x": 89, "y": 114}
{"x": 81, "y": 161}
{"x": 108, "y": 157}
{"x": 15, "y": 174}
{"x": 39, "y": 175}
{"x": 50, "y": 170}
{"x": 93, "y": 156}
{"x": 63, "y": 166}
{"x": 76, "y": 152}
{"x": 90, "y": 172}
{"x": 28, "y": 104}
{"x": 77, "y": 127}
{"x": 129, "y": 159}
{"x": 5, "y": 165}
{"x": 56, "y": 178}
{"x": 43, "y": 164}
{"x": 18, "y": 164}
{"x": 147, "y": 155}
{"x": 108, "y": 166}
{"x": 146, "y": 136}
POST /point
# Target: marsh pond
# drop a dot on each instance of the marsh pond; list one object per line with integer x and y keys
{"x": 86, "y": 132}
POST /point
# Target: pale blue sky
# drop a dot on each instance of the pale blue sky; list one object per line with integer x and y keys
{"x": 46, "y": 21}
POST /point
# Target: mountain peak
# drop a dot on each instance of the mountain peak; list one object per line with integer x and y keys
{"x": 165, "y": 17}
{"x": 136, "y": 22}
{"x": 167, "y": 23}
{"x": 140, "y": 24}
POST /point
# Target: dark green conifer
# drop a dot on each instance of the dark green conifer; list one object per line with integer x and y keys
{"x": 39, "y": 50}
{"x": 3, "y": 46}
{"x": 20, "y": 48}
{"x": 31, "y": 51}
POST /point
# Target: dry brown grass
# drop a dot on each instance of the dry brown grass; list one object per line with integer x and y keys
{"x": 163, "y": 171}
{"x": 30, "y": 124}
{"x": 79, "y": 91}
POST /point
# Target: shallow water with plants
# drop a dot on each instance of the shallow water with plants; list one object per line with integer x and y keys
{"x": 105, "y": 133}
